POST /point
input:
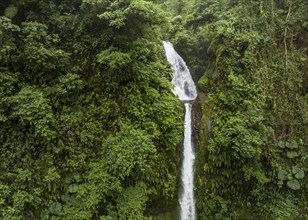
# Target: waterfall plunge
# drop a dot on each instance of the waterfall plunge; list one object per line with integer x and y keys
{"x": 185, "y": 89}
{"x": 184, "y": 86}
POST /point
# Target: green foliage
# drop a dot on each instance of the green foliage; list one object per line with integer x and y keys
{"x": 31, "y": 108}
{"x": 131, "y": 203}
{"x": 89, "y": 127}
{"x": 128, "y": 151}
{"x": 278, "y": 205}
{"x": 38, "y": 55}
{"x": 114, "y": 59}
{"x": 8, "y": 44}
{"x": 293, "y": 184}
{"x": 282, "y": 175}
{"x": 254, "y": 101}
{"x": 141, "y": 10}
{"x": 299, "y": 173}
{"x": 10, "y": 11}
{"x": 55, "y": 208}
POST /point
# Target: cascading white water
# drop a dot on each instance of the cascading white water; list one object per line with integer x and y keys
{"x": 185, "y": 89}
{"x": 184, "y": 86}
{"x": 187, "y": 202}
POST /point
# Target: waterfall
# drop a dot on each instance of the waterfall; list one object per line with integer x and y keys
{"x": 185, "y": 89}
{"x": 184, "y": 86}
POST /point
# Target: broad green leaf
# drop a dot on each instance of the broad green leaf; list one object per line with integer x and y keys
{"x": 55, "y": 208}
{"x": 282, "y": 174}
{"x": 295, "y": 169}
{"x": 299, "y": 173}
{"x": 73, "y": 188}
{"x": 281, "y": 144}
{"x": 292, "y": 154}
{"x": 10, "y": 11}
{"x": 292, "y": 145}
{"x": 293, "y": 184}
{"x": 45, "y": 215}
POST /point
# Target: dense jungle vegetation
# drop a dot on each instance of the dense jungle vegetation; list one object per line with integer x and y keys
{"x": 90, "y": 130}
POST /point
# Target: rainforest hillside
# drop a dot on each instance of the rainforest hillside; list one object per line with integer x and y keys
{"x": 252, "y": 148}
{"x": 89, "y": 128}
